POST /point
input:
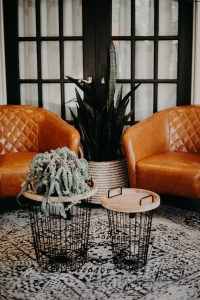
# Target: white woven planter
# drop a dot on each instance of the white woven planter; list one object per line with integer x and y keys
{"x": 108, "y": 175}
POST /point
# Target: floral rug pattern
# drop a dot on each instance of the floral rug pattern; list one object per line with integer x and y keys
{"x": 172, "y": 271}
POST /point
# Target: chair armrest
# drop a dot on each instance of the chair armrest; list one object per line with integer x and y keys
{"x": 55, "y": 133}
{"x": 149, "y": 137}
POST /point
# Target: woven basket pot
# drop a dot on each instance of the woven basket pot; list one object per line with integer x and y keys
{"x": 108, "y": 175}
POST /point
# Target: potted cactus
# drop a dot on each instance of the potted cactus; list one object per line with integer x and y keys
{"x": 101, "y": 116}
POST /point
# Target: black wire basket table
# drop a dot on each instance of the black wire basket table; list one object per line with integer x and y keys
{"x": 61, "y": 244}
{"x": 130, "y": 213}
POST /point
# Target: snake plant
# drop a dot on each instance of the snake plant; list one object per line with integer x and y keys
{"x": 100, "y": 119}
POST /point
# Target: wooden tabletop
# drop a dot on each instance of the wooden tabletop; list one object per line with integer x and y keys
{"x": 76, "y": 197}
{"x": 130, "y": 201}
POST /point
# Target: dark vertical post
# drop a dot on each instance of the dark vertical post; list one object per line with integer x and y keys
{"x": 89, "y": 33}
{"x": 10, "y": 9}
{"x": 39, "y": 60}
{"x": 185, "y": 52}
{"x": 133, "y": 58}
{"x": 103, "y": 35}
{"x": 156, "y": 32}
{"x": 61, "y": 44}
{"x": 103, "y": 13}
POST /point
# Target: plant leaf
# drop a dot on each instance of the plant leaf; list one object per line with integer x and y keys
{"x": 119, "y": 96}
{"x": 125, "y": 99}
{"x": 82, "y": 86}
{"x": 111, "y": 77}
{"x": 126, "y": 117}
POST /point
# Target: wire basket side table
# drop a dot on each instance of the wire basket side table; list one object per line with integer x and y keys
{"x": 130, "y": 214}
{"x": 60, "y": 244}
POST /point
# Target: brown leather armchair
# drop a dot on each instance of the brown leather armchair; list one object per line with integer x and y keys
{"x": 163, "y": 152}
{"x": 24, "y": 131}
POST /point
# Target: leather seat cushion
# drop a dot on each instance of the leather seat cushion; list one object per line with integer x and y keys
{"x": 176, "y": 173}
{"x": 13, "y": 168}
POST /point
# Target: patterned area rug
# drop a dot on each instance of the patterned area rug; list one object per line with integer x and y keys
{"x": 172, "y": 271}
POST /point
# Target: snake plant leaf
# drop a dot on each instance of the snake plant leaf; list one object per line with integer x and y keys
{"x": 119, "y": 125}
{"x": 73, "y": 115}
{"x": 126, "y": 117}
{"x": 85, "y": 108}
{"x": 126, "y": 98}
{"x": 86, "y": 142}
{"x": 111, "y": 77}
{"x": 119, "y": 96}
{"x": 101, "y": 139}
{"x": 85, "y": 139}
{"x": 89, "y": 92}
{"x": 83, "y": 87}
{"x": 85, "y": 116}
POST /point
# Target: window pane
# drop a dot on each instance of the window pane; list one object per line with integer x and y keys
{"x": 144, "y": 17}
{"x": 29, "y": 94}
{"x": 168, "y": 17}
{"x": 123, "y": 53}
{"x": 143, "y": 102}
{"x": 121, "y": 17}
{"x": 52, "y": 98}
{"x": 26, "y": 18}
{"x": 166, "y": 95}
{"x": 167, "y": 59}
{"x": 27, "y": 60}
{"x": 50, "y": 60}
{"x": 72, "y": 17}
{"x": 73, "y": 60}
{"x": 49, "y": 18}
{"x": 144, "y": 51}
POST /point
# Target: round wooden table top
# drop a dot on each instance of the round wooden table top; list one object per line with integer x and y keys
{"x": 131, "y": 200}
{"x": 76, "y": 197}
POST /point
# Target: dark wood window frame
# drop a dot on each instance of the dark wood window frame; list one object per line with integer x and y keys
{"x": 94, "y": 41}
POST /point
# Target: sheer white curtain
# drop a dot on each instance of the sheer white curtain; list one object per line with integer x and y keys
{"x": 196, "y": 58}
{"x": 3, "y": 94}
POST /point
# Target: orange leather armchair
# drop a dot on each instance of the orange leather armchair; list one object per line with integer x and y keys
{"x": 25, "y": 131}
{"x": 163, "y": 152}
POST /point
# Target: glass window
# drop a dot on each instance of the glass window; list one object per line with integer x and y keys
{"x": 166, "y": 95}
{"x": 144, "y": 17}
{"x": 123, "y": 53}
{"x": 144, "y": 59}
{"x": 26, "y": 16}
{"x": 143, "y": 102}
{"x": 52, "y": 97}
{"x": 29, "y": 94}
{"x": 72, "y": 17}
{"x": 50, "y": 60}
{"x": 168, "y": 17}
{"x": 49, "y": 18}
{"x": 27, "y": 60}
{"x": 167, "y": 59}
{"x": 73, "y": 59}
{"x": 121, "y": 17}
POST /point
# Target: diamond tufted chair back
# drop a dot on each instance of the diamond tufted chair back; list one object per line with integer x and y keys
{"x": 184, "y": 129}
{"x": 28, "y": 128}
{"x": 19, "y": 127}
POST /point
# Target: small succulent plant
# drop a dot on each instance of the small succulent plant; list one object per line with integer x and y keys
{"x": 57, "y": 173}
